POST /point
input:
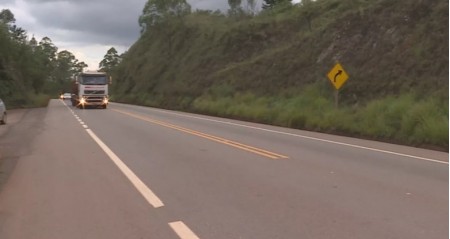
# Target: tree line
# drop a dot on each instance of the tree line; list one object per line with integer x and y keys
{"x": 29, "y": 67}
{"x": 159, "y": 15}
{"x": 157, "y": 12}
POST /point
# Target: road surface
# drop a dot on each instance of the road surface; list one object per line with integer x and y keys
{"x": 137, "y": 172}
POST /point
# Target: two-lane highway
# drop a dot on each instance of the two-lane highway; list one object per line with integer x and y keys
{"x": 138, "y": 172}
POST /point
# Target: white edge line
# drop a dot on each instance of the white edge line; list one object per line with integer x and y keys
{"x": 311, "y": 138}
{"x": 140, "y": 186}
{"x": 182, "y": 230}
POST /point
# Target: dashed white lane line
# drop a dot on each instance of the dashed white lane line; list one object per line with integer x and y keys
{"x": 151, "y": 198}
{"x": 182, "y": 230}
{"x": 179, "y": 227}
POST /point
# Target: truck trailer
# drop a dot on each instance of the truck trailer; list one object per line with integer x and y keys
{"x": 90, "y": 89}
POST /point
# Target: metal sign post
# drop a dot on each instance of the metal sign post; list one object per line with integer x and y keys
{"x": 336, "y": 98}
{"x": 337, "y": 77}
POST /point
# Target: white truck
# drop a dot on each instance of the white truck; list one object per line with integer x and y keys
{"x": 90, "y": 89}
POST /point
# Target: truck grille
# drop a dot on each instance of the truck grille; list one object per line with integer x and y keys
{"x": 94, "y": 92}
{"x": 92, "y": 99}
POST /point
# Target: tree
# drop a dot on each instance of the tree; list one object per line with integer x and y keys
{"x": 236, "y": 9}
{"x": 234, "y": 3}
{"x": 79, "y": 66}
{"x": 48, "y": 48}
{"x": 251, "y": 6}
{"x": 269, "y": 4}
{"x": 110, "y": 60}
{"x": 64, "y": 63}
{"x": 307, "y": 9}
{"x": 164, "y": 17}
{"x": 33, "y": 43}
{"x": 158, "y": 11}
{"x": 7, "y": 17}
{"x": 18, "y": 34}
{"x": 67, "y": 66}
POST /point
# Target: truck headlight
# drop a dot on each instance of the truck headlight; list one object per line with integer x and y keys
{"x": 105, "y": 100}
{"x": 82, "y": 101}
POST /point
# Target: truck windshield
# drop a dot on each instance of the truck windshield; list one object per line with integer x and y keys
{"x": 93, "y": 80}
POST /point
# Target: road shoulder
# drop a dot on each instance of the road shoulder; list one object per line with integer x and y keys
{"x": 15, "y": 137}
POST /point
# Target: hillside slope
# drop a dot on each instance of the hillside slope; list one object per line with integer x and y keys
{"x": 272, "y": 68}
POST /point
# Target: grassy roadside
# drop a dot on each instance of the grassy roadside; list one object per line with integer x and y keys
{"x": 405, "y": 119}
{"x": 28, "y": 101}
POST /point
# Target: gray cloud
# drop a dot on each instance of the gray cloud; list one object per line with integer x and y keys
{"x": 6, "y": 2}
{"x": 99, "y": 21}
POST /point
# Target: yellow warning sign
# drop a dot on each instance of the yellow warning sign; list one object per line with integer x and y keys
{"x": 337, "y": 76}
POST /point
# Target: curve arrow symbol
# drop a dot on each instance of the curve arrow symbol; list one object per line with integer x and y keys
{"x": 337, "y": 74}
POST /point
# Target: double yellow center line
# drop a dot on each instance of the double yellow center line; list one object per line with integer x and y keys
{"x": 238, "y": 145}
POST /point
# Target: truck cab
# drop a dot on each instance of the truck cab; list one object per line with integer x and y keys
{"x": 91, "y": 90}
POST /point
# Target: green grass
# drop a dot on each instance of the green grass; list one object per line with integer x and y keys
{"x": 39, "y": 100}
{"x": 27, "y": 101}
{"x": 404, "y": 119}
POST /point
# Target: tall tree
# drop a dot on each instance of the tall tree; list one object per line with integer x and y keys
{"x": 308, "y": 11}
{"x": 158, "y": 11}
{"x": 235, "y": 7}
{"x": 269, "y": 4}
{"x": 110, "y": 60}
{"x": 33, "y": 43}
{"x": 17, "y": 33}
{"x": 79, "y": 66}
{"x": 234, "y": 3}
{"x": 67, "y": 66}
{"x": 251, "y": 6}
{"x": 164, "y": 17}
{"x": 7, "y": 17}
{"x": 47, "y": 52}
{"x": 48, "y": 49}
{"x": 64, "y": 63}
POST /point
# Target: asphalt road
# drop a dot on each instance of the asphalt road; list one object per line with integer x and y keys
{"x": 137, "y": 172}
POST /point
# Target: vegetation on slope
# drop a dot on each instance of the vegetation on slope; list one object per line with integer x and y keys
{"x": 272, "y": 67}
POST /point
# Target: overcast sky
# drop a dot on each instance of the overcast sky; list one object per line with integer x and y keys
{"x": 88, "y": 28}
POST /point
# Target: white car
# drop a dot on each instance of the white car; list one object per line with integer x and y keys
{"x": 2, "y": 112}
{"x": 66, "y": 96}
